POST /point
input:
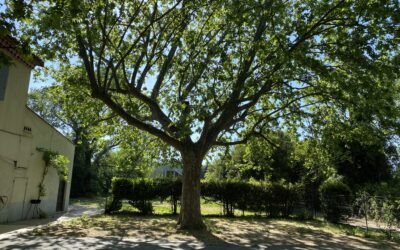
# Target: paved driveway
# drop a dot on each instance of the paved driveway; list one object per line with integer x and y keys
{"x": 27, "y": 225}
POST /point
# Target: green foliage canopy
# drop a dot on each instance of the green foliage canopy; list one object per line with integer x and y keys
{"x": 178, "y": 69}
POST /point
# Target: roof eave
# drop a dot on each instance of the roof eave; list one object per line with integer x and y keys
{"x": 9, "y": 45}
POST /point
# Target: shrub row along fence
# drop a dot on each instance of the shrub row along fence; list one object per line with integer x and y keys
{"x": 271, "y": 199}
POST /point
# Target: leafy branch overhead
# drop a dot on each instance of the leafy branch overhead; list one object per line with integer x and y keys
{"x": 196, "y": 71}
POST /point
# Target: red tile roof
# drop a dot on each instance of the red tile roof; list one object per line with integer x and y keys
{"x": 10, "y": 45}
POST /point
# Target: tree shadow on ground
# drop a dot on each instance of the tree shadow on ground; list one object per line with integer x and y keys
{"x": 51, "y": 242}
{"x": 159, "y": 232}
{"x": 270, "y": 234}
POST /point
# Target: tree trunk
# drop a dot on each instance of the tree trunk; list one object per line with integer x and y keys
{"x": 190, "y": 215}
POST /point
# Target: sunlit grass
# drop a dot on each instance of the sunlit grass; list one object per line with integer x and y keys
{"x": 97, "y": 202}
{"x": 208, "y": 208}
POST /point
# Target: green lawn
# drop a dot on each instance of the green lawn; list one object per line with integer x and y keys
{"x": 208, "y": 208}
{"x": 97, "y": 202}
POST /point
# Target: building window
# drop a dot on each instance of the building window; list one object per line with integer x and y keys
{"x": 3, "y": 81}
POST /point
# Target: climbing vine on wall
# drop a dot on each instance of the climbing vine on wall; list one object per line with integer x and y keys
{"x": 52, "y": 160}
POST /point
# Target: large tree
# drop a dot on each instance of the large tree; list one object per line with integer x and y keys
{"x": 198, "y": 74}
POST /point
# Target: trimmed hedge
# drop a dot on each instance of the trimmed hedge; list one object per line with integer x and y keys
{"x": 140, "y": 193}
{"x": 273, "y": 199}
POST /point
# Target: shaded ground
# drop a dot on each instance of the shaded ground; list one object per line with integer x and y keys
{"x": 360, "y": 222}
{"x": 77, "y": 230}
{"x": 74, "y": 211}
{"x": 158, "y": 232}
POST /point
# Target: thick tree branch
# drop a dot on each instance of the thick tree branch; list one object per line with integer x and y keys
{"x": 140, "y": 124}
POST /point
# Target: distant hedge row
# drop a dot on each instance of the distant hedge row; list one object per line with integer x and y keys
{"x": 272, "y": 199}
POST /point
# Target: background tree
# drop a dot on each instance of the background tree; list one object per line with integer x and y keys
{"x": 104, "y": 148}
{"x": 135, "y": 157}
{"x": 260, "y": 160}
{"x": 273, "y": 159}
{"x": 198, "y": 74}
{"x": 358, "y": 140}
{"x": 69, "y": 108}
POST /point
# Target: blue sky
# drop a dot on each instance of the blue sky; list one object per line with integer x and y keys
{"x": 35, "y": 83}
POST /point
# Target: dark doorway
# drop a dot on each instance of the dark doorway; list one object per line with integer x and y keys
{"x": 60, "y": 196}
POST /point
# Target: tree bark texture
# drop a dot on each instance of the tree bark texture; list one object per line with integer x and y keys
{"x": 190, "y": 215}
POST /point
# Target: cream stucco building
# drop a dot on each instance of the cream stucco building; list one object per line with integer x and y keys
{"x": 21, "y": 133}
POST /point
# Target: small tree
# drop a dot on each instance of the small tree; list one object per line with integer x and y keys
{"x": 386, "y": 210}
{"x": 363, "y": 205}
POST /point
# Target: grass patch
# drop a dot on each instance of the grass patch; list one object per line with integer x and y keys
{"x": 97, "y": 202}
{"x": 208, "y": 208}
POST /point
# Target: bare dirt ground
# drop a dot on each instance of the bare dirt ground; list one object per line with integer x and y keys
{"x": 155, "y": 232}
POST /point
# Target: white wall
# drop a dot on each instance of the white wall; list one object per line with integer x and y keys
{"x": 21, "y": 164}
{"x": 13, "y": 105}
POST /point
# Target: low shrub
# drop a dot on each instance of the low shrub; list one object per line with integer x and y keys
{"x": 121, "y": 188}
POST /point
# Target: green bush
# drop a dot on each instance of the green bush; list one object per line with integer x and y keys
{"x": 282, "y": 199}
{"x": 273, "y": 199}
{"x": 121, "y": 188}
{"x": 140, "y": 192}
{"x": 336, "y": 199}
